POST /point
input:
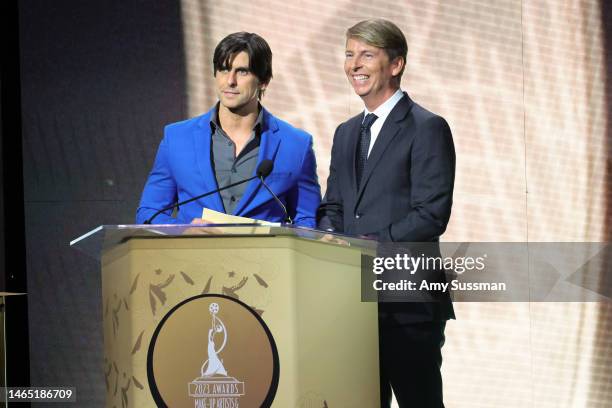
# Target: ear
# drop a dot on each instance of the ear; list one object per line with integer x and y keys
{"x": 397, "y": 65}
{"x": 262, "y": 90}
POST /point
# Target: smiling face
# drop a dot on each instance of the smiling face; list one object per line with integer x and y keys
{"x": 373, "y": 76}
{"x": 238, "y": 88}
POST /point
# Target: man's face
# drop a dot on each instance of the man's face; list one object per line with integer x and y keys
{"x": 237, "y": 86}
{"x": 370, "y": 72}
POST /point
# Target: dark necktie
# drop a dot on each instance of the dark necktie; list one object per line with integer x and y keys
{"x": 364, "y": 145}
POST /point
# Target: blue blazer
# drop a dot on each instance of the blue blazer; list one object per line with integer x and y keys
{"x": 183, "y": 170}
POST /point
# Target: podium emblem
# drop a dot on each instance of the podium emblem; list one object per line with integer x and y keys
{"x": 215, "y": 387}
{"x": 212, "y": 351}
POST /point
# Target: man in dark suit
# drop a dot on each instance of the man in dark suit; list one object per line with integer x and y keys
{"x": 391, "y": 177}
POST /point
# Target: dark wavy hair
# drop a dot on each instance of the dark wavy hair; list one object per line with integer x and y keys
{"x": 260, "y": 54}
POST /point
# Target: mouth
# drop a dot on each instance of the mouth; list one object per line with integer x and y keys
{"x": 360, "y": 78}
{"x": 230, "y": 93}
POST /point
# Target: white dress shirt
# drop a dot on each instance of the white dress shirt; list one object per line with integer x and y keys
{"x": 382, "y": 112}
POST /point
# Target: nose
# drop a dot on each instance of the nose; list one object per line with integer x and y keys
{"x": 356, "y": 63}
{"x": 231, "y": 78}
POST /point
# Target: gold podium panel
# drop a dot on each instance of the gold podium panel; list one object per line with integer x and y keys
{"x": 236, "y": 314}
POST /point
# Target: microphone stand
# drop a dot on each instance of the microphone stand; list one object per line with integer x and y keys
{"x": 288, "y": 219}
{"x": 150, "y": 220}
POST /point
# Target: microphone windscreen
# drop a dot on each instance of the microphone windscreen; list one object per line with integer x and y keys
{"x": 265, "y": 168}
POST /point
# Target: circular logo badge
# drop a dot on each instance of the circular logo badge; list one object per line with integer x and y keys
{"x": 212, "y": 351}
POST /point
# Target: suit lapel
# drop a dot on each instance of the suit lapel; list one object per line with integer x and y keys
{"x": 268, "y": 146}
{"x": 202, "y": 141}
{"x": 388, "y": 132}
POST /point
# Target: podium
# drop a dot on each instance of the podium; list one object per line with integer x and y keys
{"x": 234, "y": 316}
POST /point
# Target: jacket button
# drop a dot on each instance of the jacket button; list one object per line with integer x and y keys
{"x": 357, "y": 216}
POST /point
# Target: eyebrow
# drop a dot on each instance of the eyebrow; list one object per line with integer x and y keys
{"x": 358, "y": 53}
{"x": 238, "y": 68}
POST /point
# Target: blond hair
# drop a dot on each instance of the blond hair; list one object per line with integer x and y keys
{"x": 381, "y": 33}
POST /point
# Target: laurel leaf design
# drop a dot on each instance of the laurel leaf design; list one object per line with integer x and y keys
{"x": 124, "y": 390}
{"x": 138, "y": 342}
{"x": 115, "y": 316}
{"x": 116, "y": 379}
{"x": 153, "y": 302}
{"x": 260, "y": 280}
{"x": 240, "y": 284}
{"x": 115, "y": 324}
{"x": 258, "y": 311}
{"x": 187, "y": 278}
{"x": 231, "y": 291}
{"x": 134, "y": 284}
{"x": 156, "y": 291}
{"x": 207, "y": 287}
{"x": 159, "y": 293}
{"x": 167, "y": 282}
{"x": 137, "y": 383}
{"x": 107, "y": 376}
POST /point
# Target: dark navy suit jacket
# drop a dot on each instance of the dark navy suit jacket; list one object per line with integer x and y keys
{"x": 183, "y": 169}
{"x": 406, "y": 191}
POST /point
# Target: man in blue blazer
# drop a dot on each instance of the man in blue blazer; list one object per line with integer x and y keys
{"x": 227, "y": 144}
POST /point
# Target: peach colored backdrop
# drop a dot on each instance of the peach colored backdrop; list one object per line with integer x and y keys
{"x": 522, "y": 85}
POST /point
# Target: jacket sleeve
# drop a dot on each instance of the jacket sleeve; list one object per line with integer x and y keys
{"x": 330, "y": 213}
{"x": 305, "y": 196}
{"x": 432, "y": 177}
{"x": 160, "y": 189}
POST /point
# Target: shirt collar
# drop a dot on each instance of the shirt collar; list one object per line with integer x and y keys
{"x": 214, "y": 119}
{"x": 387, "y": 106}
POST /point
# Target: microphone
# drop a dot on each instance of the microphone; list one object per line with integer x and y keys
{"x": 264, "y": 168}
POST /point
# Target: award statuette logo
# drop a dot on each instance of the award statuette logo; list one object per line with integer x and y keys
{"x": 214, "y": 383}
{"x": 212, "y": 351}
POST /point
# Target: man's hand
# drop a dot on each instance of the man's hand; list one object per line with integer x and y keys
{"x": 202, "y": 231}
{"x": 333, "y": 239}
{"x": 201, "y": 221}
